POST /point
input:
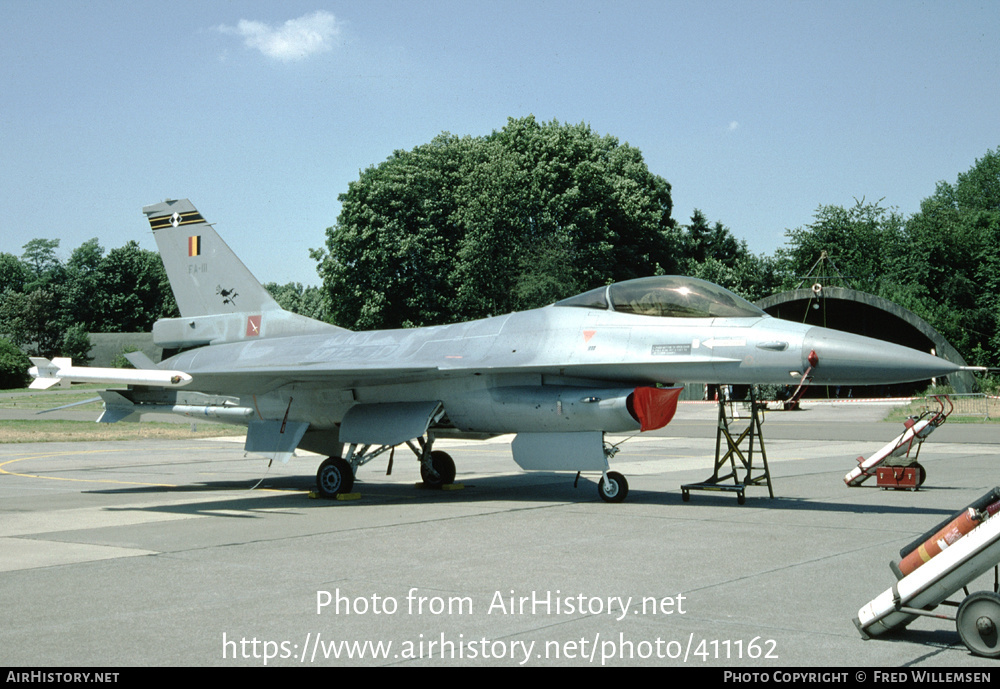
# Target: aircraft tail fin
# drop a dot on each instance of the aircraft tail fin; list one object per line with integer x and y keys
{"x": 219, "y": 299}
{"x": 207, "y": 278}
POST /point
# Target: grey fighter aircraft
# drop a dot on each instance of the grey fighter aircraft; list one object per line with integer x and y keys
{"x": 559, "y": 377}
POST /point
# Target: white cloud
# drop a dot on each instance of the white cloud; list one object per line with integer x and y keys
{"x": 734, "y": 125}
{"x": 296, "y": 39}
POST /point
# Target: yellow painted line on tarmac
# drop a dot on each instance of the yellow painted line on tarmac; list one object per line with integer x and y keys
{"x": 70, "y": 453}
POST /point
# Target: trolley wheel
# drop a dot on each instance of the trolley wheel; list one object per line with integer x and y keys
{"x": 685, "y": 496}
{"x": 921, "y": 473}
{"x": 978, "y": 623}
{"x": 741, "y": 499}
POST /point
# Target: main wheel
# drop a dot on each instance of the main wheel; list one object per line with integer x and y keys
{"x": 444, "y": 465}
{"x": 334, "y": 476}
{"x": 614, "y": 489}
{"x": 978, "y": 623}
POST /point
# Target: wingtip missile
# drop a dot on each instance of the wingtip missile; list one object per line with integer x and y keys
{"x": 61, "y": 372}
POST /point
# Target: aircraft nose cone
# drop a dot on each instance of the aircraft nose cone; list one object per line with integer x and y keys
{"x": 846, "y": 359}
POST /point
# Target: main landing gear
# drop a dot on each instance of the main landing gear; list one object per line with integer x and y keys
{"x": 336, "y": 474}
{"x": 334, "y": 477}
{"x": 439, "y": 471}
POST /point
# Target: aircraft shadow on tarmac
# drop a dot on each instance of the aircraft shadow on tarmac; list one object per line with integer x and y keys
{"x": 538, "y": 487}
{"x": 937, "y": 641}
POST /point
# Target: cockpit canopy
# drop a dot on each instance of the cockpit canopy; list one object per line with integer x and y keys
{"x": 666, "y": 296}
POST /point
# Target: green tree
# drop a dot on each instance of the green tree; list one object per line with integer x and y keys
{"x": 80, "y": 291}
{"x": 307, "y": 301}
{"x": 40, "y": 257}
{"x": 866, "y": 243}
{"x": 47, "y": 306}
{"x": 943, "y": 262}
{"x": 13, "y": 273}
{"x": 14, "y": 366}
{"x": 545, "y": 275}
{"x": 389, "y": 258}
{"x": 35, "y": 310}
{"x": 750, "y": 276}
{"x": 953, "y": 261}
{"x": 467, "y": 227}
{"x": 711, "y": 252}
{"x": 31, "y": 320}
{"x": 75, "y": 344}
{"x": 131, "y": 291}
{"x": 696, "y": 239}
{"x": 543, "y": 187}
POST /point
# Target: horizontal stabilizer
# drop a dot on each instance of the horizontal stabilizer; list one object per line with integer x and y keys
{"x": 69, "y": 406}
{"x": 117, "y": 408}
{"x": 116, "y": 414}
{"x": 195, "y": 331}
{"x": 140, "y": 361}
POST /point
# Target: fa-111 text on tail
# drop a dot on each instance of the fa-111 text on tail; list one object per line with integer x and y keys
{"x": 606, "y": 361}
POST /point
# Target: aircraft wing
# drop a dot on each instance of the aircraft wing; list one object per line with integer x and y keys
{"x": 242, "y": 379}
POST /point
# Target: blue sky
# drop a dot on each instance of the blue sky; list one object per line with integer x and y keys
{"x": 262, "y": 113}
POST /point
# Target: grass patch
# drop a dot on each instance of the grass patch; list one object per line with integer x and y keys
{"x": 30, "y": 431}
{"x": 49, "y": 400}
{"x": 45, "y": 430}
{"x": 967, "y": 409}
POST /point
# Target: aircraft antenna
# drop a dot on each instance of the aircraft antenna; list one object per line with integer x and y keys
{"x": 824, "y": 258}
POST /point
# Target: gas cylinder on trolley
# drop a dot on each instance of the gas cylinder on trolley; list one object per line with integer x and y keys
{"x": 946, "y": 533}
{"x": 920, "y": 590}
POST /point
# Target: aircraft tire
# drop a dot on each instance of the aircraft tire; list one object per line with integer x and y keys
{"x": 334, "y": 477}
{"x": 978, "y": 623}
{"x": 615, "y": 489}
{"x": 444, "y": 465}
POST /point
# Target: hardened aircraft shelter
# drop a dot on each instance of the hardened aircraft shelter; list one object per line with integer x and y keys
{"x": 866, "y": 314}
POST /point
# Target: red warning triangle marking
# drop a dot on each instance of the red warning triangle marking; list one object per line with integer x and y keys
{"x": 587, "y": 334}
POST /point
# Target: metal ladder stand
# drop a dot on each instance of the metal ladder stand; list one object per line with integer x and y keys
{"x": 751, "y": 434}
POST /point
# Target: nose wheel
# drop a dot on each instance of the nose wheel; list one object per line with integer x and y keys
{"x": 613, "y": 487}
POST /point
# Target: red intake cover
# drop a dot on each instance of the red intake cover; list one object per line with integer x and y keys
{"x": 654, "y": 407}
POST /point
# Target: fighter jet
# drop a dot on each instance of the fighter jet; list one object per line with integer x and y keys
{"x": 610, "y": 360}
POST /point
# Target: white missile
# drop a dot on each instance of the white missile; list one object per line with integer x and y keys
{"x": 61, "y": 372}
